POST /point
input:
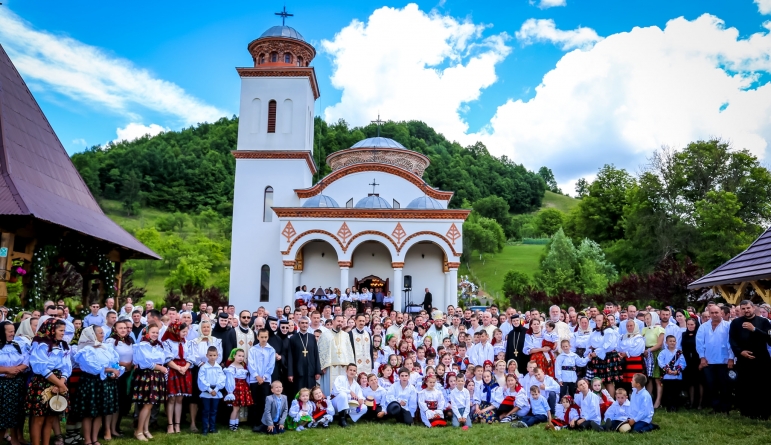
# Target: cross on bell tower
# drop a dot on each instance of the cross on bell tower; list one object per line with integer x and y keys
{"x": 284, "y": 15}
{"x": 374, "y": 184}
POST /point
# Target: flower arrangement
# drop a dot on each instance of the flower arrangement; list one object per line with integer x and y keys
{"x": 17, "y": 270}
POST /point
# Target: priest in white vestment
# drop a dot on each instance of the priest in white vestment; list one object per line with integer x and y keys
{"x": 348, "y": 398}
{"x": 335, "y": 353}
{"x": 361, "y": 342}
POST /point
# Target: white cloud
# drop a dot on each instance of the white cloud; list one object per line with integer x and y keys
{"x": 407, "y": 64}
{"x": 544, "y": 30}
{"x": 545, "y": 4}
{"x": 635, "y": 91}
{"x": 764, "y": 6}
{"x": 79, "y": 141}
{"x": 90, "y": 75}
{"x": 135, "y": 131}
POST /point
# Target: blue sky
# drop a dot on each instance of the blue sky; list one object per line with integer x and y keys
{"x": 618, "y": 78}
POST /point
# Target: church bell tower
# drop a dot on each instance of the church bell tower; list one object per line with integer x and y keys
{"x": 274, "y": 157}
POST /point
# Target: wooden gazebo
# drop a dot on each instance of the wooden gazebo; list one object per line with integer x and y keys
{"x": 750, "y": 270}
{"x": 47, "y": 213}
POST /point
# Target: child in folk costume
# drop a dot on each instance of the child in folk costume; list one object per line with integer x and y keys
{"x": 199, "y": 348}
{"x": 630, "y": 348}
{"x": 551, "y": 339}
{"x": 488, "y": 399}
{"x": 51, "y": 366}
{"x": 499, "y": 373}
{"x": 348, "y": 399}
{"x": 605, "y": 399}
{"x": 566, "y": 413}
{"x": 402, "y": 399}
{"x": 672, "y": 363}
{"x": 388, "y": 349}
{"x": 431, "y": 404}
{"x": 149, "y": 385}
{"x": 323, "y": 411}
{"x": 460, "y": 403}
{"x": 95, "y": 398}
{"x": 211, "y": 380}
{"x": 514, "y": 402}
{"x": 589, "y": 403}
{"x": 300, "y": 411}
{"x": 618, "y": 412}
{"x": 498, "y": 342}
{"x": 385, "y": 376}
{"x": 180, "y": 380}
{"x": 580, "y": 341}
{"x": 566, "y": 367}
{"x": 534, "y": 347}
{"x": 14, "y": 361}
{"x": 548, "y": 387}
{"x": 237, "y": 386}
{"x": 374, "y": 396}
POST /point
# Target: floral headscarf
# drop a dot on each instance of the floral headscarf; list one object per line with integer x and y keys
{"x": 125, "y": 339}
{"x": 46, "y": 334}
{"x": 172, "y": 333}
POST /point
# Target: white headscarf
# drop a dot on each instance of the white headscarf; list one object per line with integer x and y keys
{"x": 655, "y": 320}
{"x": 25, "y": 329}
{"x": 201, "y": 337}
{"x": 635, "y": 332}
{"x": 88, "y": 338}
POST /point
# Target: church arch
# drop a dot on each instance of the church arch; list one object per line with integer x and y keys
{"x": 314, "y": 235}
{"x": 320, "y": 264}
{"x": 267, "y": 212}
{"x": 371, "y": 260}
{"x": 445, "y": 244}
{"x": 372, "y": 235}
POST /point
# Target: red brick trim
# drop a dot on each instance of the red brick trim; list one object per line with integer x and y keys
{"x": 277, "y": 154}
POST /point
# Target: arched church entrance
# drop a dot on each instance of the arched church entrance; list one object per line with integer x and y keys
{"x": 371, "y": 267}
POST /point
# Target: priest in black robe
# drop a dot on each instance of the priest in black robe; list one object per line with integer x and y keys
{"x": 515, "y": 344}
{"x": 304, "y": 366}
{"x": 750, "y": 336}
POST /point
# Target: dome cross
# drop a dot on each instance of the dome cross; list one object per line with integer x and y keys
{"x": 374, "y": 184}
{"x": 284, "y": 15}
{"x": 378, "y": 122}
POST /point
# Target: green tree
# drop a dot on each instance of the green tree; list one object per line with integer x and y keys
{"x": 557, "y": 271}
{"x": 548, "y": 221}
{"x": 190, "y": 275}
{"x": 599, "y": 214}
{"x": 548, "y": 178}
{"x": 722, "y": 231}
{"x": 515, "y": 284}
{"x": 582, "y": 188}
{"x": 595, "y": 272}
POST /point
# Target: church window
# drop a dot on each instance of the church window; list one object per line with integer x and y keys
{"x": 272, "y": 116}
{"x": 396, "y": 204}
{"x": 267, "y": 214}
{"x": 287, "y": 58}
{"x": 349, "y": 203}
{"x": 274, "y": 56}
{"x": 265, "y": 283}
{"x": 299, "y": 61}
{"x": 261, "y": 59}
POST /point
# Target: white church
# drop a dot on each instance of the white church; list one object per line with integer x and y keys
{"x": 372, "y": 221}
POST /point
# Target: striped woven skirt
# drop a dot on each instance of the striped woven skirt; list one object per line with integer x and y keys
{"x": 632, "y": 366}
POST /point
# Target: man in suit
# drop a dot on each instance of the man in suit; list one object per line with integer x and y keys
{"x": 428, "y": 301}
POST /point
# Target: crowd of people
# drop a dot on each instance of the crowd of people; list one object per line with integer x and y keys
{"x": 601, "y": 369}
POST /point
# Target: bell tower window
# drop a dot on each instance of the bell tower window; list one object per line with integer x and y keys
{"x": 261, "y": 59}
{"x": 287, "y": 58}
{"x": 299, "y": 61}
{"x": 272, "y": 116}
{"x": 274, "y": 57}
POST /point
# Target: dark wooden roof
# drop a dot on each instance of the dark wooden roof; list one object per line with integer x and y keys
{"x": 37, "y": 177}
{"x": 751, "y": 265}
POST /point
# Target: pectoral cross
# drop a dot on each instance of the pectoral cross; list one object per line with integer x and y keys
{"x": 305, "y": 352}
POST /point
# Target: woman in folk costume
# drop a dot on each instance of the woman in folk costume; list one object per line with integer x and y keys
{"x": 535, "y": 349}
{"x": 198, "y": 348}
{"x": 630, "y": 348}
{"x": 237, "y": 385}
{"x": 74, "y": 423}
{"x": 120, "y": 340}
{"x": 580, "y": 341}
{"x": 605, "y": 362}
{"x": 96, "y": 398}
{"x": 14, "y": 362}
{"x": 180, "y": 379}
{"x": 51, "y": 366}
{"x": 149, "y": 385}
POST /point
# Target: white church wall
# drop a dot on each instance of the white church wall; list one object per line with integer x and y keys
{"x": 318, "y": 270}
{"x": 293, "y": 96}
{"x": 371, "y": 258}
{"x": 256, "y": 242}
{"x": 424, "y": 262}
{"x": 391, "y": 187}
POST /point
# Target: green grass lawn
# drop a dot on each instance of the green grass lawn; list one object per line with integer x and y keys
{"x": 559, "y": 202}
{"x": 490, "y": 272}
{"x": 676, "y": 428}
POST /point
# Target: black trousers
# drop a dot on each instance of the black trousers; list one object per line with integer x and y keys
{"x": 718, "y": 387}
{"x": 671, "y": 397}
{"x": 401, "y": 415}
{"x": 567, "y": 389}
{"x": 259, "y": 393}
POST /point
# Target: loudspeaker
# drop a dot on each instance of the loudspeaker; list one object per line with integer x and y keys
{"x": 408, "y": 281}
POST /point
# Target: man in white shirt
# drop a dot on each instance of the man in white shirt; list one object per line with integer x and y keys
{"x": 716, "y": 359}
{"x": 670, "y": 328}
{"x": 631, "y": 313}
{"x": 109, "y": 305}
{"x": 482, "y": 351}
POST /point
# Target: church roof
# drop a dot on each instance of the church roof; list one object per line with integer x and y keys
{"x": 378, "y": 142}
{"x": 282, "y": 31}
{"x": 372, "y": 202}
{"x": 751, "y": 265}
{"x": 425, "y": 202}
{"x": 320, "y": 201}
{"x": 37, "y": 177}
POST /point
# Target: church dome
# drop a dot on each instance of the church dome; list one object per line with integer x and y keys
{"x": 321, "y": 201}
{"x": 378, "y": 142}
{"x": 372, "y": 202}
{"x": 282, "y": 31}
{"x": 425, "y": 202}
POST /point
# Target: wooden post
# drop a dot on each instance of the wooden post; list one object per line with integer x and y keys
{"x": 119, "y": 282}
{"x": 735, "y": 296}
{"x": 765, "y": 294}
